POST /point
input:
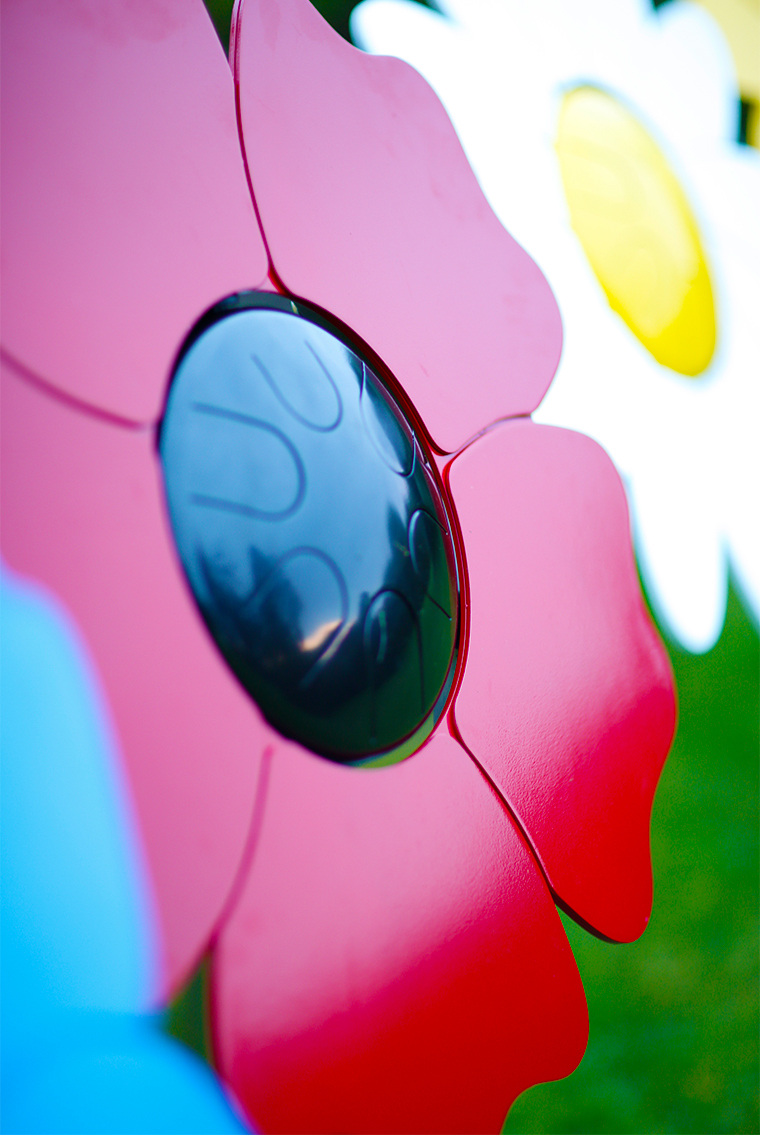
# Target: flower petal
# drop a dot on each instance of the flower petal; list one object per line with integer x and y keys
{"x": 676, "y": 510}
{"x": 371, "y": 211}
{"x": 394, "y": 962}
{"x": 125, "y": 207}
{"x": 567, "y": 698}
{"x": 82, "y": 512}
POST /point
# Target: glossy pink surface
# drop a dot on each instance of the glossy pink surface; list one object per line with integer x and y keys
{"x": 371, "y": 211}
{"x": 395, "y": 962}
{"x": 567, "y": 698}
{"x": 82, "y": 511}
{"x": 125, "y": 205}
{"x": 390, "y": 959}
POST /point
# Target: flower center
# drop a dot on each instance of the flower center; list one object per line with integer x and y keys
{"x": 637, "y": 229}
{"x": 312, "y": 529}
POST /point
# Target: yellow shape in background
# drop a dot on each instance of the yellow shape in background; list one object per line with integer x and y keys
{"x": 637, "y": 229}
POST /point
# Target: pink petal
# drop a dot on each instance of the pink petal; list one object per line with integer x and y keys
{"x": 125, "y": 207}
{"x": 567, "y": 698}
{"x": 394, "y": 962}
{"x": 83, "y": 512}
{"x": 371, "y": 212}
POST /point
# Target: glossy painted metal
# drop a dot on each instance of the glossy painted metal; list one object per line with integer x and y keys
{"x": 386, "y": 951}
{"x": 394, "y": 962}
{"x": 83, "y": 512}
{"x": 574, "y": 724}
{"x": 311, "y": 530}
{"x": 370, "y": 210}
{"x": 126, "y": 198}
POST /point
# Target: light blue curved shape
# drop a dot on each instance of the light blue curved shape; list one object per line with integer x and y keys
{"x": 76, "y": 931}
{"x": 79, "y": 1054}
{"x": 112, "y": 1074}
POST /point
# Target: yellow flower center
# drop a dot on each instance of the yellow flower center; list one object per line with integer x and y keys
{"x": 637, "y": 229}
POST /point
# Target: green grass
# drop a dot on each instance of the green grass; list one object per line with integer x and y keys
{"x": 187, "y": 1018}
{"x": 673, "y": 1043}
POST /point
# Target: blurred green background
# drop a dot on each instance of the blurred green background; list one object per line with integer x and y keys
{"x": 673, "y": 1044}
{"x": 673, "y": 1040}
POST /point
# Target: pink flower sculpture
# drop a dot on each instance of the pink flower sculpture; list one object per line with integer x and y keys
{"x": 386, "y": 952}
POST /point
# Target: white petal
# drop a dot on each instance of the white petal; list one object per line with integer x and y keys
{"x": 681, "y": 553}
{"x": 687, "y": 448}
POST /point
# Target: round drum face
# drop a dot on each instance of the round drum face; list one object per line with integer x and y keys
{"x": 312, "y": 531}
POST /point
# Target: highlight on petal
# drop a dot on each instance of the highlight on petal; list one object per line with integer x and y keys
{"x": 637, "y": 228}
{"x": 125, "y": 208}
{"x": 82, "y": 511}
{"x": 567, "y": 698}
{"x": 371, "y": 211}
{"x": 394, "y": 962}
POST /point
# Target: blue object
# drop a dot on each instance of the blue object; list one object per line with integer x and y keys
{"x": 78, "y": 1051}
{"x": 312, "y": 529}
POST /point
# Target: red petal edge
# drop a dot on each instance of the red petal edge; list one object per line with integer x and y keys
{"x": 567, "y": 698}
{"x": 394, "y": 961}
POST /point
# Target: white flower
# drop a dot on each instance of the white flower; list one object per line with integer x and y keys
{"x": 686, "y": 446}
